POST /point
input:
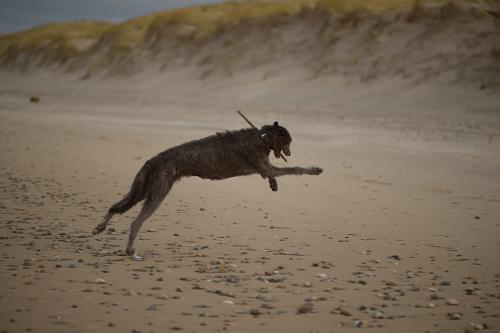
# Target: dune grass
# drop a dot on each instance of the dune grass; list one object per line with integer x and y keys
{"x": 196, "y": 22}
{"x": 68, "y": 38}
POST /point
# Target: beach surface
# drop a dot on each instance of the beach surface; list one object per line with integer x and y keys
{"x": 399, "y": 234}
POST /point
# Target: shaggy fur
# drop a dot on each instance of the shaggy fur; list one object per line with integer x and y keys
{"x": 220, "y": 156}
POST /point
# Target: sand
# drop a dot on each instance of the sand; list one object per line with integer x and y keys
{"x": 399, "y": 234}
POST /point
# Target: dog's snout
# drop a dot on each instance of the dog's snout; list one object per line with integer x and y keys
{"x": 286, "y": 150}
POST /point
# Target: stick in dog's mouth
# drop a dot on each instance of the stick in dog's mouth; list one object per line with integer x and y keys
{"x": 277, "y": 154}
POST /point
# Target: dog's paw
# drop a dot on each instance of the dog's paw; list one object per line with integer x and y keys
{"x": 97, "y": 230}
{"x": 273, "y": 184}
{"x": 133, "y": 254}
{"x": 315, "y": 171}
{"x": 135, "y": 257}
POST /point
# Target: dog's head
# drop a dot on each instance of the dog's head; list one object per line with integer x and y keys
{"x": 277, "y": 138}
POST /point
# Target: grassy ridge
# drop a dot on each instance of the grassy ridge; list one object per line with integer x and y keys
{"x": 64, "y": 39}
{"x": 58, "y": 42}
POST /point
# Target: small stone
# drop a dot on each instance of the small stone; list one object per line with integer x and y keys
{"x": 359, "y": 323}
{"x": 275, "y": 279}
{"x": 220, "y": 292}
{"x": 307, "y": 284}
{"x": 478, "y": 327}
{"x": 445, "y": 283}
{"x": 100, "y": 281}
{"x": 129, "y": 293}
{"x": 431, "y": 305}
{"x": 395, "y": 257}
{"x": 255, "y": 312}
{"x": 152, "y": 307}
{"x": 305, "y": 308}
{"x": 344, "y": 312}
{"x": 377, "y": 315}
{"x": 452, "y": 301}
{"x": 454, "y": 315}
{"x": 227, "y": 301}
{"x": 322, "y": 276}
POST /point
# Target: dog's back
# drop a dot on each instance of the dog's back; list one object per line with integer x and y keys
{"x": 218, "y": 156}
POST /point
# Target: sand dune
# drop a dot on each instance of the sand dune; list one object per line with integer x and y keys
{"x": 455, "y": 42}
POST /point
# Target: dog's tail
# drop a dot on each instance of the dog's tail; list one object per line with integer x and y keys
{"x": 136, "y": 194}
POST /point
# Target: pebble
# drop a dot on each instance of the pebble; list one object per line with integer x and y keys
{"x": 454, "y": 315}
{"x": 305, "y": 308}
{"x": 344, "y": 312}
{"x": 152, "y": 307}
{"x": 255, "y": 312}
{"x": 100, "y": 281}
{"x": 322, "y": 276}
{"x": 227, "y": 301}
{"x": 377, "y": 315}
{"x": 452, "y": 301}
{"x": 220, "y": 292}
{"x": 478, "y": 327}
{"x": 275, "y": 279}
{"x": 129, "y": 293}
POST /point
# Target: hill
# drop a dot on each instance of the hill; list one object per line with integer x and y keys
{"x": 452, "y": 42}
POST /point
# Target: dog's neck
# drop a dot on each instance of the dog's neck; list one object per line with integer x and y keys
{"x": 268, "y": 146}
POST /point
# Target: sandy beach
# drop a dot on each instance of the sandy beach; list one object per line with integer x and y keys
{"x": 399, "y": 234}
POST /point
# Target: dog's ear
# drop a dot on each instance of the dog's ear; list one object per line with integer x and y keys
{"x": 275, "y": 123}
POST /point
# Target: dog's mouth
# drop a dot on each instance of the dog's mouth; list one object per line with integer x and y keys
{"x": 286, "y": 151}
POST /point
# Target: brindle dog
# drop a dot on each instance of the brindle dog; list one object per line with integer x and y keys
{"x": 220, "y": 156}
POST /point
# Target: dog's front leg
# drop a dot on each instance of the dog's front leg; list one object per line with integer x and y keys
{"x": 265, "y": 169}
{"x": 277, "y": 172}
{"x": 273, "y": 183}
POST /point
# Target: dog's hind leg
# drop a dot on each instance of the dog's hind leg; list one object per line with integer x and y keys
{"x": 120, "y": 207}
{"x": 151, "y": 203}
{"x": 102, "y": 226}
{"x": 135, "y": 195}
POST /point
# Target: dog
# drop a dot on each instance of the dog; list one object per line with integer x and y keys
{"x": 220, "y": 156}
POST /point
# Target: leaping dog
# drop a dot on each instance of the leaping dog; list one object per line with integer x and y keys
{"x": 223, "y": 155}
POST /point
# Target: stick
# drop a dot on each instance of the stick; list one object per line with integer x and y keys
{"x": 253, "y": 126}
